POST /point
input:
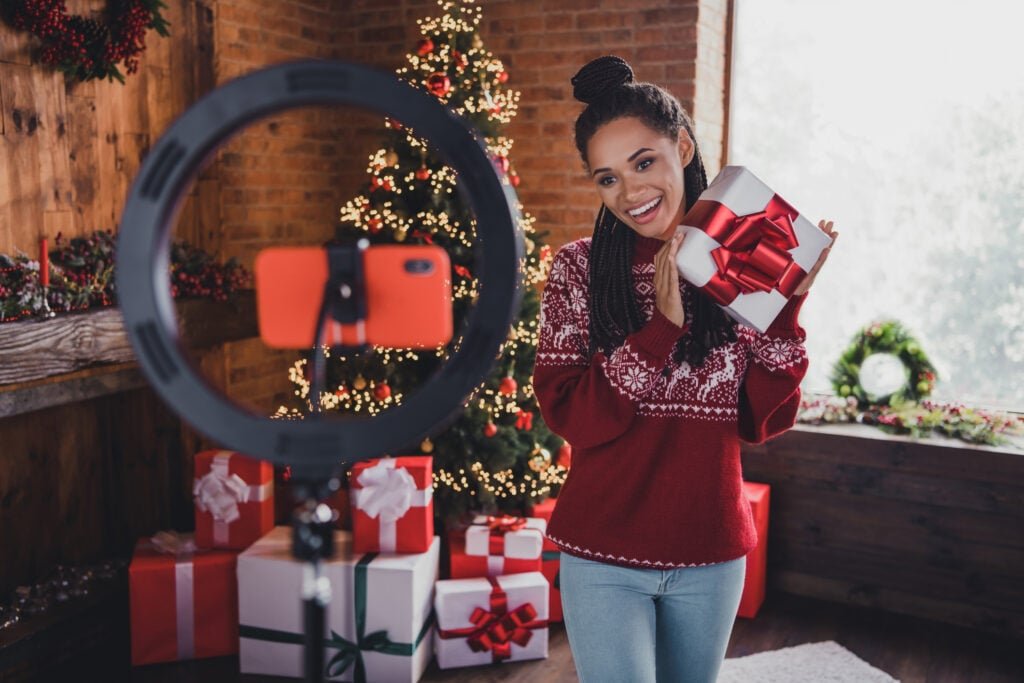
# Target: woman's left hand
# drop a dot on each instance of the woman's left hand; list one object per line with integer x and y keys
{"x": 805, "y": 284}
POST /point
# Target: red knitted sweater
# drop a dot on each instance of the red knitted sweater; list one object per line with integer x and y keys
{"x": 656, "y": 479}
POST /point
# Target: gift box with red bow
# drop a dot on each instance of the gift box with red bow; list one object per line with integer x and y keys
{"x": 746, "y": 247}
{"x": 462, "y": 565}
{"x": 234, "y": 499}
{"x": 550, "y": 558}
{"x": 489, "y": 620}
{"x": 517, "y": 538}
{"x": 183, "y": 601}
{"x": 392, "y": 505}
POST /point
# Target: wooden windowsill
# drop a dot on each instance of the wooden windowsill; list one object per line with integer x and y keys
{"x": 78, "y": 356}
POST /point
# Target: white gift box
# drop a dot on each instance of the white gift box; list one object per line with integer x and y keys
{"x": 461, "y": 641}
{"x": 735, "y": 199}
{"x": 525, "y": 543}
{"x": 399, "y": 593}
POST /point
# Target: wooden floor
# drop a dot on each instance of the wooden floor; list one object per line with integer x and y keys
{"x": 908, "y": 649}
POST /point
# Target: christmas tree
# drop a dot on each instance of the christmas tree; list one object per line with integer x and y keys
{"x": 498, "y": 455}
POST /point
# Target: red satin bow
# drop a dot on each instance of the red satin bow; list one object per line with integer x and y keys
{"x": 524, "y": 420}
{"x": 754, "y": 256}
{"x": 496, "y": 629}
{"x": 500, "y": 526}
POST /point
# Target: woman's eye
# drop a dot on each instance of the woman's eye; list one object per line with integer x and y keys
{"x": 644, "y": 163}
{"x": 604, "y": 180}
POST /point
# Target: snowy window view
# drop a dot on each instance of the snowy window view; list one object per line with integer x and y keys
{"x": 903, "y": 121}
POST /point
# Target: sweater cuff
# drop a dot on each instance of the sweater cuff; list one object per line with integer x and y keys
{"x": 785, "y": 323}
{"x": 659, "y": 336}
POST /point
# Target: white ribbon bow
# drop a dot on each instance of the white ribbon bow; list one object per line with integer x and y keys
{"x": 387, "y": 491}
{"x": 219, "y": 493}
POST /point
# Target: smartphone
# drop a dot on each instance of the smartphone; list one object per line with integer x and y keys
{"x": 408, "y": 294}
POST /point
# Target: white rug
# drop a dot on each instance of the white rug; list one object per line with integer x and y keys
{"x": 825, "y": 662}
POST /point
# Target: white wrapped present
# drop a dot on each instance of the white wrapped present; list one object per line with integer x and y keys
{"x": 517, "y": 538}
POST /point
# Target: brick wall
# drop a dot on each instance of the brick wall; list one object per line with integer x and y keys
{"x": 284, "y": 179}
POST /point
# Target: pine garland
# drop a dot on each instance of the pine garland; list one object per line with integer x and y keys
{"x": 85, "y": 48}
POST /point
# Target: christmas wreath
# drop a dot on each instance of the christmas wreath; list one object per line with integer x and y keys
{"x": 85, "y": 48}
{"x": 883, "y": 365}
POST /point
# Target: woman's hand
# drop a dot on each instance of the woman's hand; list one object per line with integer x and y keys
{"x": 666, "y": 279}
{"x": 805, "y": 284}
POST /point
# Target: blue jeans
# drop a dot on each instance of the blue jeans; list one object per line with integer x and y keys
{"x": 638, "y": 625}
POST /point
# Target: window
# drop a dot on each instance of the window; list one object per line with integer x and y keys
{"x": 903, "y": 121}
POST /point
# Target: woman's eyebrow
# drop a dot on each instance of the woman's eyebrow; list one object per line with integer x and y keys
{"x": 632, "y": 156}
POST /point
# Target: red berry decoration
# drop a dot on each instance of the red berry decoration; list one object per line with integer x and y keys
{"x": 508, "y": 386}
{"x": 424, "y": 46}
{"x": 382, "y": 391}
{"x": 490, "y": 429}
{"x": 423, "y": 173}
{"x": 84, "y": 48}
{"x": 439, "y": 84}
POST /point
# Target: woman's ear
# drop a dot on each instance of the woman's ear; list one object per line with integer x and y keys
{"x": 686, "y": 147}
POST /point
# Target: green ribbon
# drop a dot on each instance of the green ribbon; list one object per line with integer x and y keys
{"x": 348, "y": 653}
{"x": 553, "y": 555}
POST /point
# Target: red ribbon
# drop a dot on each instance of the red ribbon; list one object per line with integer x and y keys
{"x": 524, "y": 419}
{"x": 754, "y": 256}
{"x": 500, "y": 526}
{"x": 496, "y": 629}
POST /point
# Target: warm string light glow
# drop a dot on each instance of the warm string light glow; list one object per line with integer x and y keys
{"x": 502, "y": 484}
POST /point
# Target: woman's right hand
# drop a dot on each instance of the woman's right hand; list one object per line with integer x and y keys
{"x": 666, "y": 279}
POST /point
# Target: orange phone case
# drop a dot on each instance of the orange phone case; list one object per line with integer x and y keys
{"x": 403, "y": 309}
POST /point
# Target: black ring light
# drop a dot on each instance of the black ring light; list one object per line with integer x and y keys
{"x": 313, "y": 447}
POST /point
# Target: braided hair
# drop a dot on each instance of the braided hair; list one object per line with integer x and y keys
{"x": 607, "y": 87}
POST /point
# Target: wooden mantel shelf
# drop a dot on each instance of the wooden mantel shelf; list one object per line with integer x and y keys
{"x": 77, "y": 356}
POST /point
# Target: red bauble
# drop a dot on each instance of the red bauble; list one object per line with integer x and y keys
{"x": 502, "y": 76}
{"x": 502, "y": 163}
{"x": 460, "y": 60}
{"x": 514, "y": 179}
{"x": 386, "y": 186}
{"x": 374, "y": 225}
{"x": 490, "y": 429}
{"x": 341, "y": 392}
{"x": 423, "y": 173}
{"x": 508, "y": 386}
{"x": 439, "y": 84}
{"x": 382, "y": 391}
{"x": 564, "y": 456}
{"x": 424, "y": 46}
{"x": 375, "y": 183}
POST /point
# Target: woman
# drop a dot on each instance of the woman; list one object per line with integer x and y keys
{"x": 653, "y": 386}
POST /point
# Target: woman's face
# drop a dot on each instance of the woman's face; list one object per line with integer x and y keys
{"x": 638, "y": 173}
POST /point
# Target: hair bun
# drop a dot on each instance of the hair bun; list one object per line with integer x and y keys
{"x": 600, "y": 75}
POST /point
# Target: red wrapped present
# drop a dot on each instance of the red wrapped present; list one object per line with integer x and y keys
{"x": 543, "y": 510}
{"x": 234, "y": 499}
{"x": 550, "y": 562}
{"x": 392, "y": 505}
{"x": 746, "y": 248}
{"x": 465, "y": 566}
{"x": 183, "y": 602}
{"x": 758, "y": 496}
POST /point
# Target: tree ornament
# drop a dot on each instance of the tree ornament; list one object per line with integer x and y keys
{"x": 391, "y": 158}
{"x": 424, "y": 46}
{"x": 359, "y": 383}
{"x": 507, "y": 386}
{"x": 373, "y": 225}
{"x": 439, "y": 84}
{"x": 460, "y": 60}
{"x": 514, "y": 179}
{"x": 502, "y": 162}
{"x": 422, "y": 173}
{"x": 427, "y": 446}
{"x": 540, "y": 459}
{"x": 490, "y": 429}
{"x": 502, "y": 76}
{"x": 524, "y": 420}
{"x": 564, "y": 456}
{"x": 375, "y": 183}
{"x": 883, "y": 365}
{"x": 477, "y": 42}
{"x": 382, "y": 391}
{"x": 341, "y": 391}
{"x": 84, "y": 48}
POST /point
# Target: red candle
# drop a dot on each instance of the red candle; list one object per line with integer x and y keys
{"x": 44, "y": 263}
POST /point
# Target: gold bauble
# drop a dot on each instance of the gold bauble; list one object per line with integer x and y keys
{"x": 540, "y": 460}
{"x": 359, "y": 382}
{"x": 391, "y": 158}
{"x": 427, "y": 446}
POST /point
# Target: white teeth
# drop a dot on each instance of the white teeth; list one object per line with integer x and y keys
{"x": 646, "y": 207}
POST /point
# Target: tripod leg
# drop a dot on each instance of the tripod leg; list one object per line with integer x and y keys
{"x": 316, "y": 595}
